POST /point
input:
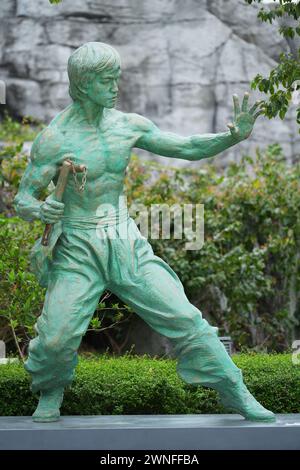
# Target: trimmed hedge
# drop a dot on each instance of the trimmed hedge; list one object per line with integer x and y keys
{"x": 108, "y": 385}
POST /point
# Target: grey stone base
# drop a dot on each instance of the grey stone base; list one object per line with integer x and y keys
{"x": 150, "y": 432}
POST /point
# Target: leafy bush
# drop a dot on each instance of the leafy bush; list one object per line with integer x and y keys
{"x": 245, "y": 279}
{"x": 21, "y": 296}
{"x": 143, "y": 385}
{"x": 13, "y": 159}
{"x": 18, "y": 132}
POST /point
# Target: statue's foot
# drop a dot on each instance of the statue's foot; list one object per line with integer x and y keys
{"x": 49, "y": 405}
{"x": 239, "y": 400}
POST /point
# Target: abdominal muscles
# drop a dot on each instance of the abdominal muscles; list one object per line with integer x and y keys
{"x": 107, "y": 189}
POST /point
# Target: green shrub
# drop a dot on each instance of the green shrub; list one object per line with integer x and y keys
{"x": 13, "y": 160}
{"x": 246, "y": 277}
{"x": 142, "y": 385}
{"x": 21, "y": 298}
{"x": 17, "y": 132}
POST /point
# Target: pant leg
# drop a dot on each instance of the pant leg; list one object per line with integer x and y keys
{"x": 156, "y": 294}
{"x": 74, "y": 288}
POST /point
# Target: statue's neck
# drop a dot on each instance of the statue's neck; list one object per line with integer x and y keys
{"x": 91, "y": 111}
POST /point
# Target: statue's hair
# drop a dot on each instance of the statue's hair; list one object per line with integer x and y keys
{"x": 91, "y": 58}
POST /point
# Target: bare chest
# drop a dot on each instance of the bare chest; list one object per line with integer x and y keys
{"x": 106, "y": 152}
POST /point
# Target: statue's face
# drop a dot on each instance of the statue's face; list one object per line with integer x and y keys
{"x": 103, "y": 88}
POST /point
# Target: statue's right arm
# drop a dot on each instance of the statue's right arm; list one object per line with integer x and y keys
{"x": 40, "y": 171}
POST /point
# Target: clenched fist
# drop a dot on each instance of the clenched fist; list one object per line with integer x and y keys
{"x": 51, "y": 211}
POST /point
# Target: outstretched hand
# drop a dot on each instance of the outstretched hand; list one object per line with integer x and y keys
{"x": 244, "y": 118}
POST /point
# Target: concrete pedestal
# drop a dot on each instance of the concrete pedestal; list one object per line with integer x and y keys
{"x": 150, "y": 432}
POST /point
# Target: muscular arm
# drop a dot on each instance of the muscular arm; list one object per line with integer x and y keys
{"x": 41, "y": 169}
{"x": 190, "y": 148}
{"x": 197, "y": 147}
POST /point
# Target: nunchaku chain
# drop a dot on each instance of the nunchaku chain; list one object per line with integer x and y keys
{"x": 79, "y": 187}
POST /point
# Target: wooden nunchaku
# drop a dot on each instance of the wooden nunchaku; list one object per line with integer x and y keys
{"x": 59, "y": 190}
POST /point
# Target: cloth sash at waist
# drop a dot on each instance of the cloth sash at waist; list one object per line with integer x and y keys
{"x": 41, "y": 256}
{"x": 103, "y": 219}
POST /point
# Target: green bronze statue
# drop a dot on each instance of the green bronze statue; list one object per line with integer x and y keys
{"x": 91, "y": 134}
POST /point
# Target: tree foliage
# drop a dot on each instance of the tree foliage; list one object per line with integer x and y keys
{"x": 281, "y": 84}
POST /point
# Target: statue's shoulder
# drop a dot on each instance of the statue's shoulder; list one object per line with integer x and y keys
{"x": 64, "y": 119}
{"x": 134, "y": 121}
{"x": 48, "y": 142}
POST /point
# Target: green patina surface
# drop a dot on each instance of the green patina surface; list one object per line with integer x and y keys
{"x": 95, "y": 245}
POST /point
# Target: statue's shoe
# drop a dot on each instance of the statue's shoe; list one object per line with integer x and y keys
{"x": 239, "y": 400}
{"x": 46, "y": 416}
{"x": 49, "y": 405}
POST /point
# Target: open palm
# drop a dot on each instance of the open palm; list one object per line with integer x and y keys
{"x": 244, "y": 118}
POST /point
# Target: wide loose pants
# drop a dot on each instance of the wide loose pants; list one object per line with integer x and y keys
{"x": 87, "y": 261}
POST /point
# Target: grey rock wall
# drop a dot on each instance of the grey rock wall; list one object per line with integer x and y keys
{"x": 182, "y": 60}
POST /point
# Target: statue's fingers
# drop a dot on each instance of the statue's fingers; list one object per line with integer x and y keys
{"x": 233, "y": 129}
{"x": 52, "y": 211}
{"x": 255, "y": 106}
{"x": 236, "y": 105}
{"x": 49, "y": 219}
{"x": 245, "y": 102}
{"x": 259, "y": 113}
{"x": 55, "y": 204}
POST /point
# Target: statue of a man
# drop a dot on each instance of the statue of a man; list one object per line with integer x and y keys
{"x": 84, "y": 264}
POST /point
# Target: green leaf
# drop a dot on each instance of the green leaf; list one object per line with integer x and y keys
{"x": 11, "y": 276}
{"x": 95, "y": 323}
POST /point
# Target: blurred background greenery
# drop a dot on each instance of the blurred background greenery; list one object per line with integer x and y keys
{"x": 245, "y": 279}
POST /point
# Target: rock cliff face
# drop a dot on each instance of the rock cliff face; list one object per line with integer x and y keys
{"x": 182, "y": 60}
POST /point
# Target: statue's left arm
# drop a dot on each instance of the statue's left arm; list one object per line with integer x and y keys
{"x": 196, "y": 147}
